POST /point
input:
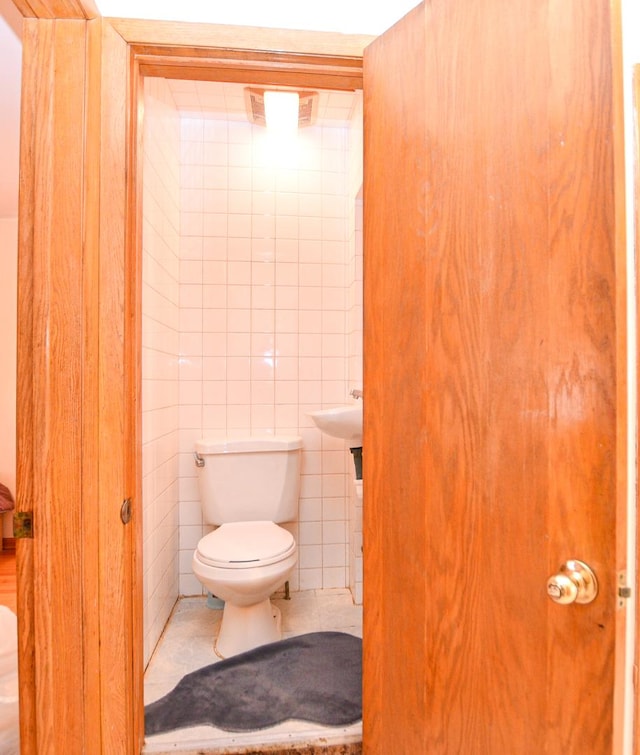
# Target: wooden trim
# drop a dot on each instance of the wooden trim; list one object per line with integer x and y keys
{"x": 252, "y": 72}
{"x": 622, "y": 277}
{"x": 245, "y": 54}
{"x": 25, "y": 425}
{"x": 272, "y": 62}
{"x": 311, "y": 68}
{"x": 133, "y": 390}
{"x": 52, "y": 9}
{"x": 119, "y": 437}
{"x": 173, "y": 35}
{"x": 636, "y": 210}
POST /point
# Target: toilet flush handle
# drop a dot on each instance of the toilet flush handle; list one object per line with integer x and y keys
{"x": 199, "y": 459}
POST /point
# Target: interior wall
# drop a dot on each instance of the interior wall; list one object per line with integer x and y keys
{"x": 8, "y": 318}
{"x": 160, "y": 358}
{"x": 266, "y": 272}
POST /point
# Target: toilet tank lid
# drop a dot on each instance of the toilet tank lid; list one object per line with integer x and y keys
{"x": 248, "y": 444}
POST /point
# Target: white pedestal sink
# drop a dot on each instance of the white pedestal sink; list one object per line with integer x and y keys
{"x": 341, "y": 422}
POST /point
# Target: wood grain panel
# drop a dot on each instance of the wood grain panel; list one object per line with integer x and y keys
{"x": 49, "y": 397}
{"x": 72, "y": 459}
{"x": 582, "y": 366}
{"x": 395, "y": 538}
{"x": 133, "y": 391}
{"x": 473, "y": 339}
{"x": 118, "y": 450}
{"x": 492, "y": 444}
{"x": 487, "y": 404}
{"x": 91, "y": 431}
{"x": 25, "y": 403}
{"x": 81, "y": 9}
{"x": 253, "y": 72}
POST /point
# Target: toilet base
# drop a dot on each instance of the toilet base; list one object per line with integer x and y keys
{"x": 247, "y": 627}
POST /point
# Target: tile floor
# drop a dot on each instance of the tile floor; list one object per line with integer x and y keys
{"x": 187, "y": 644}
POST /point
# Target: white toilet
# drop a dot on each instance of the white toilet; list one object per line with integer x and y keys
{"x": 247, "y": 486}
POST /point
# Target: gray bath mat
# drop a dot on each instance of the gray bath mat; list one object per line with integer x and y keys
{"x": 313, "y": 677}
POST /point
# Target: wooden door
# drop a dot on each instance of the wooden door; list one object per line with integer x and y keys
{"x": 494, "y": 439}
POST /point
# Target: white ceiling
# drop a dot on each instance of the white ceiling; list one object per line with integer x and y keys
{"x": 351, "y": 17}
{"x": 343, "y": 16}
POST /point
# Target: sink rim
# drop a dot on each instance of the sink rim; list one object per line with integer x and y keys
{"x": 328, "y": 421}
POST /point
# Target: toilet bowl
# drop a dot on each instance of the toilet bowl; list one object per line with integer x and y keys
{"x": 243, "y": 563}
{"x": 247, "y": 486}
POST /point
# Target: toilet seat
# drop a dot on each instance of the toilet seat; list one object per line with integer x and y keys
{"x": 245, "y": 545}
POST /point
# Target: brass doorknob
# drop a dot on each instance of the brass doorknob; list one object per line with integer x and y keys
{"x": 575, "y": 582}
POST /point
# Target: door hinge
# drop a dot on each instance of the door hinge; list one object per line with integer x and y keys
{"x": 624, "y": 591}
{"x": 23, "y": 524}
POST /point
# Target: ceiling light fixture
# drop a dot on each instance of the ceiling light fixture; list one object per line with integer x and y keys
{"x": 267, "y": 107}
{"x": 281, "y": 111}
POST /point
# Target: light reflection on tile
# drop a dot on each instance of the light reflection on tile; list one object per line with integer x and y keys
{"x": 187, "y": 644}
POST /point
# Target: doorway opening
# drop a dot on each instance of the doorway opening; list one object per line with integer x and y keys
{"x": 251, "y": 316}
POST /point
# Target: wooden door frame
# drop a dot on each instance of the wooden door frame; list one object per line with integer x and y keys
{"x": 215, "y": 53}
{"x": 636, "y": 210}
{"x": 79, "y": 365}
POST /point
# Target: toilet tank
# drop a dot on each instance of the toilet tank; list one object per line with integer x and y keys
{"x": 249, "y": 479}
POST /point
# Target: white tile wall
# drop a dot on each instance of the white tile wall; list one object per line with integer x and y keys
{"x": 160, "y": 345}
{"x": 266, "y": 248}
{"x": 251, "y": 320}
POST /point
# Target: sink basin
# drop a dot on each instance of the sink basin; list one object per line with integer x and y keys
{"x": 341, "y": 422}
